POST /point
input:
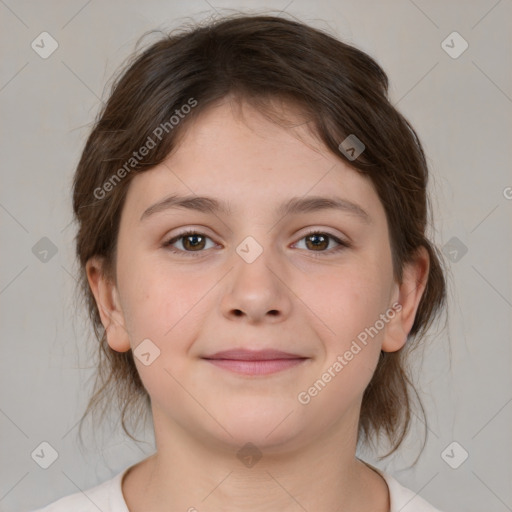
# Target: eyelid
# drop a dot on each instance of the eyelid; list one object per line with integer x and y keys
{"x": 193, "y": 229}
{"x": 326, "y": 231}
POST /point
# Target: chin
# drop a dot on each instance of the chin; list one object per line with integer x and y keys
{"x": 273, "y": 427}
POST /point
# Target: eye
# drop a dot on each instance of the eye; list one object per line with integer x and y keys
{"x": 191, "y": 241}
{"x": 318, "y": 241}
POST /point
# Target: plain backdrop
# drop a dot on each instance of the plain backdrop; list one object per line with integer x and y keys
{"x": 459, "y": 103}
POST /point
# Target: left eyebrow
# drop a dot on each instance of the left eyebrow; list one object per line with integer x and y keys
{"x": 310, "y": 204}
{"x": 295, "y": 205}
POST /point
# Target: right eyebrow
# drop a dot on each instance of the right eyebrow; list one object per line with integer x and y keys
{"x": 198, "y": 203}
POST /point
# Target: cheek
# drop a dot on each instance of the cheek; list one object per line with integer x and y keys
{"x": 164, "y": 307}
{"x": 348, "y": 305}
{"x": 348, "y": 299}
{"x": 156, "y": 299}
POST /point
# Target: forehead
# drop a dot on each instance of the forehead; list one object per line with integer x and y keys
{"x": 240, "y": 126}
{"x": 236, "y": 154}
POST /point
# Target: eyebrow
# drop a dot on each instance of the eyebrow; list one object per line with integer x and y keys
{"x": 295, "y": 205}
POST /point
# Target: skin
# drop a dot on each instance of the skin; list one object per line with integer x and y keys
{"x": 294, "y": 297}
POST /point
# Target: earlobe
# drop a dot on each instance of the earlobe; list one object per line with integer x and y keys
{"x": 107, "y": 301}
{"x": 414, "y": 281}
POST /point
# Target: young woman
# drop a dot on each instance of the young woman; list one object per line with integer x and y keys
{"x": 252, "y": 214}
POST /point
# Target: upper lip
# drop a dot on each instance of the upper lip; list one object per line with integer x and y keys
{"x": 253, "y": 355}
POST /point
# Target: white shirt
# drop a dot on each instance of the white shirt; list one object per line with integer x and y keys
{"x": 108, "y": 497}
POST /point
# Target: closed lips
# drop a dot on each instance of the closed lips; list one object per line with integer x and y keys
{"x": 253, "y": 355}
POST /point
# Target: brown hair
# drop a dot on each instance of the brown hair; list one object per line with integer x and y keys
{"x": 339, "y": 89}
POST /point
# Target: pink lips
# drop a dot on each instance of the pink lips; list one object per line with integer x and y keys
{"x": 255, "y": 362}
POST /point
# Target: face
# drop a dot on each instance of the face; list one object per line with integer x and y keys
{"x": 250, "y": 275}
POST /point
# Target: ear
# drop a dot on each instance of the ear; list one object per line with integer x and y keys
{"x": 408, "y": 296}
{"x": 107, "y": 300}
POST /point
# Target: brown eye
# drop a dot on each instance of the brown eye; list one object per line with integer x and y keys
{"x": 318, "y": 241}
{"x": 193, "y": 242}
{"x": 190, "y": 242}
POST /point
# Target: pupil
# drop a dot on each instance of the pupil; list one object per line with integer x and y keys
{"x": 193, "y": 237}
{"x": 316, "y": 237}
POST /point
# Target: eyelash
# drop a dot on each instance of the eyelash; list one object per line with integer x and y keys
{"x": 342, "y": 244}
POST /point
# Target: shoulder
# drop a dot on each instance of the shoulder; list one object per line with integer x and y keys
{"x": 107, "y": 497}
{"x": 405, "y": 500}
{"x": 401, "y": 498}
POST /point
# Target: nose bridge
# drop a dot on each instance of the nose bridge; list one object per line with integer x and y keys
{"x": 256, "y": 289}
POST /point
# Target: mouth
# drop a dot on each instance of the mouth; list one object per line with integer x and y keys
{"x": 255, "y": 362}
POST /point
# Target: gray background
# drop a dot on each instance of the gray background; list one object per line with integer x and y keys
{"x": 461, "y": 108}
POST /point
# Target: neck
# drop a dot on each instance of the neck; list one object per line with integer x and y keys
{"x": 187, "y": 474}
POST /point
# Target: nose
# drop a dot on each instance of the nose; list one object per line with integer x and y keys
{"x": 257, "y": 292}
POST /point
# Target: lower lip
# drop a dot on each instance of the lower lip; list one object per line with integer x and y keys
{"x": 256, "y": 367}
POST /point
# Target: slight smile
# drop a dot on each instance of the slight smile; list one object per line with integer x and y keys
{"x": 251, "y": 362}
